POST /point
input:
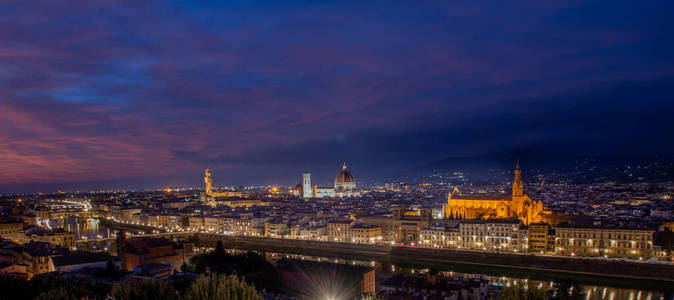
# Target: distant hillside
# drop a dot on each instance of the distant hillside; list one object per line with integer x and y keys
{"x": 548, "y": 165}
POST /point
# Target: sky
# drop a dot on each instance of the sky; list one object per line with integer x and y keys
{"x": 143, "y": 94}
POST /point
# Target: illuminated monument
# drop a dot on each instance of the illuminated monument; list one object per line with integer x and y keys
{"x": 345, "y": 186}
{"x": 518, "y": 205}
{"x": 208, "y": 179}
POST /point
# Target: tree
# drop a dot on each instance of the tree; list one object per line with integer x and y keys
{"x": 221, "y": 287}
{"x": 219, "y": 249}
{"x": 111, "y": 271}
{"x": 188, "y": 267}
{"x": 144, "y": 289}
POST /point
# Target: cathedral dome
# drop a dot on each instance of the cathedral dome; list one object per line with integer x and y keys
{"x": 344, "y": 176}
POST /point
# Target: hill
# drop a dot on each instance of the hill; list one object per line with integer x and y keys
{"x": 544, "y": 165}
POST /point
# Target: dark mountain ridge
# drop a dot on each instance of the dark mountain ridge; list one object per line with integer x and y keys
{"x": 546, "y": 165}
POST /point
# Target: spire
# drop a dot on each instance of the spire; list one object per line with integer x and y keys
{"x": 344, "y": 167}
{"x": 518, "y": 187}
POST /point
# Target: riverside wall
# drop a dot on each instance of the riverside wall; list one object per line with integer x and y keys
{"x": 400, "y": 254}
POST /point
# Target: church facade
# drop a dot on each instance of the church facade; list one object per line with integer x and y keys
{"x": 518, "y": 205}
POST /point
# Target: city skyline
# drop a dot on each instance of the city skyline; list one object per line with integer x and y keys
{"x": 96, "y": 96}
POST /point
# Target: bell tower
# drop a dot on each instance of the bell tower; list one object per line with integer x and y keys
{"x": 518, "y": 187}
{"x": 208, "y": 179}
{"x": 307, "y": 190}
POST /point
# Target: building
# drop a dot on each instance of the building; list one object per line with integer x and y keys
{"x": 540, "y": 238}
{"x": 13, "y": 270}
{"x": 79, "y": 260}
{"x": 195, "y": 222}
{"x": 276, "y": 228}
{"x": 208, "y": 179}
{"x": 37, "y": 257}
{"x": 12, "y": 230}
{"x": 401, "y": 226}
{"x": 339, "y": 230}
{"x": 606, "y": 242}
{"x": 55, "y": 236}
{"x": 493, "y": 235}
{"x": 314, "y": 233}
{"x": 345, "y": 186}
{"x": 439, "y": 237}
{"x": 307, "y": 191}
{"x": 368, "y": 284}
{"x": 518, "y": 205}
{"x": 155, "y": 250}
{"x": 365, "y": 234}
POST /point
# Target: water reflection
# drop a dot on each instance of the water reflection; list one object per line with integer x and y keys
{"x": 83, "y": 229}
{"x": 385, "y": 270}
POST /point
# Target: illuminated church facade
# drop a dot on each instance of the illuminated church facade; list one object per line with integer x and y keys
{"x": 518, "y": 205}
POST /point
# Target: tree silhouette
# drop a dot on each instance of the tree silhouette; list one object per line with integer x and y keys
{"x": 144, "y": 289}
{"x": 221, "y": 287}
{"x": 219, "y": 249}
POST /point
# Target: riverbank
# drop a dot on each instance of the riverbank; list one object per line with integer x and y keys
{"x": 657, "y": 276}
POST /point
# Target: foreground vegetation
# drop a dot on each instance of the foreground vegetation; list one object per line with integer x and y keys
{"x": 50, "y": 287}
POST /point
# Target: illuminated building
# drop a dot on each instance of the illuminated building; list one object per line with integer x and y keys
{"x": 518, "y": 205}
{"x": 37, "y": 257}
{"x": 439, "y": 236}
{"x": 307, "y": 191}
{"x": 540, "y": 238}
{"x": 607, "y": 242}
{"x": 365, "y": 234}
{"x": 339, "y": 230}
{"x": 155, "y": 250}
{"x": 493, "y": 235}
{"x": 402, "y": 226}
{"x": 275, "y": 228}
{"x": 368, "y": 284}
{"x": 208, "y": 179}
{"x": 345, "y": 186}
{"x": 12, "y": 230}
{"x": 56, "y": 236}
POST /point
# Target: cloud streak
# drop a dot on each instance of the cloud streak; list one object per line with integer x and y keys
{"x": 149, "y": 93}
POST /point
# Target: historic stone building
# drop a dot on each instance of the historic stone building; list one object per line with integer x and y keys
{"x": 210, "y": 193}
{"x": 518, "y": 205}
{"x": 401, "y": 227}
{"x": 345, "y": 186}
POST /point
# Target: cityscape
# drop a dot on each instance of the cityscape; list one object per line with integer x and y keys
{"x": 336, "y": 150}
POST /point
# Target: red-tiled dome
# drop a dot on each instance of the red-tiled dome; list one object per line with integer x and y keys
{"x": 344, "y": 176}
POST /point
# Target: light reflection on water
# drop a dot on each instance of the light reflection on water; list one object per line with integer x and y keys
{"x": 83, "y": 229}
{"x": 590, "y": 292}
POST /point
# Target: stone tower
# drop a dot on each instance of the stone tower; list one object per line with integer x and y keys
{"x": 208, "y": 179}
{"x": 307, "y": 190}
{"x": 518, "y": 187}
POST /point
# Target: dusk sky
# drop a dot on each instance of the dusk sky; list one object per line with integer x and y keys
{"x": 143, "y": 94}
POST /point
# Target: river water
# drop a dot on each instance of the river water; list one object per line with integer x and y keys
{"x": 591, "y": 290}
